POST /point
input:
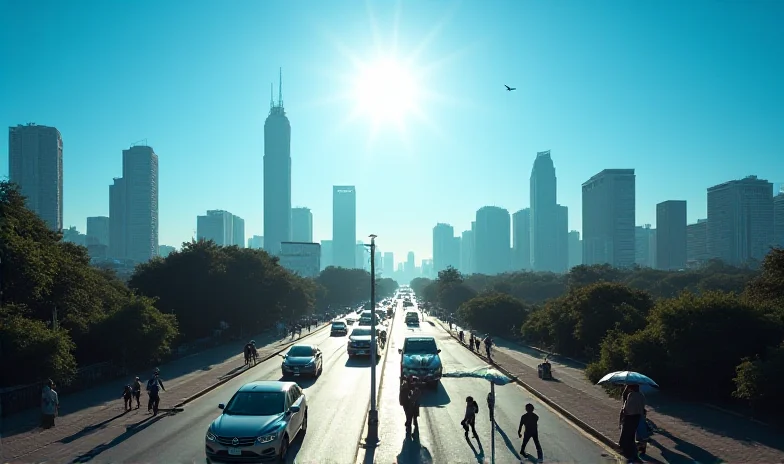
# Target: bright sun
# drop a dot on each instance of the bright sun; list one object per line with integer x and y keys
{"x": 386, "y": 92}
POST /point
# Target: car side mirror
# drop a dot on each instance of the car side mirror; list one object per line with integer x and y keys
{"x": 438, "y": 351}
{"x": 400, "y": 350}
{"x": 294, "y": 409}
{"x": 286, "y": 355}
{"x": 221, "y": 406}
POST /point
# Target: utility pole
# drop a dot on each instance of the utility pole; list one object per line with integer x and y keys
{"x": 372, "y": 438}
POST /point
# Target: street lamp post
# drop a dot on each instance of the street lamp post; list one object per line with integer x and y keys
{"x": 372, "y": 431}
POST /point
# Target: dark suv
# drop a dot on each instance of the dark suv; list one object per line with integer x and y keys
{"x": 338, "y": 328}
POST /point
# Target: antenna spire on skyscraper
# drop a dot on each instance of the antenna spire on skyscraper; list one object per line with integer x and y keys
{"x": 272, "y": 102}
{"x": 280, "y": 89}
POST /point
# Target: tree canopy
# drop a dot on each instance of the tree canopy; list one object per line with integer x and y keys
{"x": 718, "y": 324}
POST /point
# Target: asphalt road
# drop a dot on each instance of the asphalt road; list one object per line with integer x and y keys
{"x": 338, "y": 402}
{"x": 441, "y": 438}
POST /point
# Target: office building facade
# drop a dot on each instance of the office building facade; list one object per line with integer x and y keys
{"x": 301, "y": 225}
{"x": 697, "y": 243}
{"x": 303, "y": 259}
{"x": 521, "y": 240}
{"x": 344, "y": 226}
{"x": 671, "y": 235}
{"x": 609, "y": 218}
{"x": 548, "y": 241}
{"x": 277, "y": 175}
{"x": 98, "y": 230}
{"x": 492, "y": 240}
{"x": 140, "y": 179}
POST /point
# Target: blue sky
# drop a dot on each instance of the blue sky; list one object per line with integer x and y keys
{"x": 689, "y": 94}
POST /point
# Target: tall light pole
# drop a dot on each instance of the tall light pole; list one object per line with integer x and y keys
{"x": 372, "y": 432}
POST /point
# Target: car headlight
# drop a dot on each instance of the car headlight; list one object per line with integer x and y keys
{"x": 267, "y": 438}
{"x": 210, "y": 435}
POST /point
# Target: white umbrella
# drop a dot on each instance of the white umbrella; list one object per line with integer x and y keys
{"x": 627, "y": 378}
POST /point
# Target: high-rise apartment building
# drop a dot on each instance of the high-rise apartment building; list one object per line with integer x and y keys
{"x": 98, "y": 230}
{"x": 238, "y": 231}
{"x": 389, "y": 264}
{"x": 778, "y": 220}
{"x": 326, "y": 254}
{"x": 362, "y": 256}
{"x": 521, "y": 240}
{"x": 697, "y": 243}
{"x": 609, "y": 218}
{"x": 671, "y": 235}
{"x": 740, "y": 220}
{"x": 562, "y": 238}
{"x": 493, "y": 236}
{"x": 35, "y": 163}
{"x": 575, "y": 249}
{"x": 467, "y": 252}
{"x": 117, "y": 219}
{"x": 256, "y": 242}
{"x": 446, "y": 249}
{"x": 218, "y": 226}
{"x": 301, "y": 225}
{"x": 344, "y": 226}
{"x": 277, "y": 175}
{"x": 645, "y": 246}
{"x": 548, "y": 241}
{"x": 140, "y": 197}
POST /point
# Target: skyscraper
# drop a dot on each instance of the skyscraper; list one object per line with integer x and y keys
{"x": 277, "y": 175}
{"x": 548, "y": 241}
{"x": 740, "y": 220}
{"x": 256, "y": 242}
{"x": 671, "y": 235}
{"x": 326, "y": 254}
{"x": 301, "y": 225}
{"x": 609, "y": 218}
{"x": 35, "y": 163}
{"x": 140, "y": 174}
{"x": 98, "y": 230}
{"x": 467, "y": 252}
{"x": 575, "y": 249}
{"x": 344, "y": 226}
{"x": 493, "y": 252}
{"x": 445, "y": 253}
{"x": 217, "y": 225}
{"x": 521, "y": 240}
{"x": 117, "y": 219}
{"x": 237, "y": 231}
{"x": 561, "y": 238}
{"x": 645, "y": 246}
{"x": 697, "y": 242}
{"x": 778, "y": 220}
{"x": 389, "y": 264}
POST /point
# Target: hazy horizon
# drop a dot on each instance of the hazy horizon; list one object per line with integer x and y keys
{"x": 687, "y": 94}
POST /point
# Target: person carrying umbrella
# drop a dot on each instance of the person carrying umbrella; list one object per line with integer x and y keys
{"x": 631, "y": 413}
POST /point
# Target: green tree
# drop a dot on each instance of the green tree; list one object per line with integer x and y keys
{"x": 495, "y": 313}
{"x": 418, "y": 285}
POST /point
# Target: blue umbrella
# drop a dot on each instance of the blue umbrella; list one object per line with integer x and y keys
{"x": 627, "y": 378}
{"x": 488, "y": 373}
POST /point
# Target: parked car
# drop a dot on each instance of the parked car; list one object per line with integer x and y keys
{"x": 258, "y": 423}
{"x": 302, "y": 360}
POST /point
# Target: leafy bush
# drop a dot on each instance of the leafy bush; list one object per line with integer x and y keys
{"x": 493, "y": 313}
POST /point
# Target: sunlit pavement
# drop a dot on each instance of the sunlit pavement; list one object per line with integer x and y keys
{"x": 441, "y": 438}
{"x": 338, "y": 402}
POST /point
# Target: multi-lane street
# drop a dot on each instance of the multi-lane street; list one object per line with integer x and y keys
{"x": 338, "y": 402}
{"x": 441, "y": 437}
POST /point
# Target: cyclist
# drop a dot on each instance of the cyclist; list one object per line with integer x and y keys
{"x": 250, "y": 351}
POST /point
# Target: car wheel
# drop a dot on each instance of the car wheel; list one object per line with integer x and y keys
{"x": 304, "y": 427}
{"x": 284, "y": 449}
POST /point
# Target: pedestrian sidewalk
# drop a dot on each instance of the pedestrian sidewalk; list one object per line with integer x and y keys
{"x": 687, "y": 432}
{"x": 86, "y": 413}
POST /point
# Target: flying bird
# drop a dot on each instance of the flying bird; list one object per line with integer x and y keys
{"x": 509, "y": 89}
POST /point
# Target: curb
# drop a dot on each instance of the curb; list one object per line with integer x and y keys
{"x": 580, "y": 423}
{"x": 239, "y": 373}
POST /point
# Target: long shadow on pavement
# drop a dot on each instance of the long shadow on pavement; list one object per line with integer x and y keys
{"x": 130, "y": 431}
{"x": 479, "y": 454}
{"x": 434, "y": 398}
{"x": 361, "y": 362}
{"x": 92, "y": 428}
{"x": 507, "y": 441}
{"x": 412, "y": 452}
{"x": 303, "y": 382}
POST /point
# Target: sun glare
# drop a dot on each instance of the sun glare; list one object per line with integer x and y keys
{"x": 386, "y": 92}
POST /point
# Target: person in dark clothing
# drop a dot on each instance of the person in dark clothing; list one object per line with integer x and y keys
{"x": 405, "y": 393}
{"x": 469, "y": 420}
{"x": 154, "y": 385}
{"x": 530, "y": 421}
{"x": 127, "y": 396}
{"x": 137, "y": 391}
{"x": 478, "y": 342}
{"x": 412, "y": 405}
{"x": 631, "y": 414}
{"x": 491, "y": 406}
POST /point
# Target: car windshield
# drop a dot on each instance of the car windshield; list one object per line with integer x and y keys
{"x": 360, "y": 332}
{"x": 421, "y": 345}
{"x": 338, "y": 324}
{"x": 301, "y": 351}
{"x": 255, "y": 404}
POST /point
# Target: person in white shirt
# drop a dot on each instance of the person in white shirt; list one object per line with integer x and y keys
{"x": 50, "y": 403}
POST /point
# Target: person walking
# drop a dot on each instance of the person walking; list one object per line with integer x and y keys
{"x": 530, "y": 421}
{"x": 154, "y": 385}
{"x": 137, "y": 391}
{"x": 127, "y": 396}
{"x": 412, "y": 405}
{"x": 491, "y": 406}
{"x": 631, "y": 413}
{"x": 50, "y": 404}
{"x": 469, "y": 420}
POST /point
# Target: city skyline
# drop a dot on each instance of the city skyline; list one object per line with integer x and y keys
{"x": 732, "y": 123}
